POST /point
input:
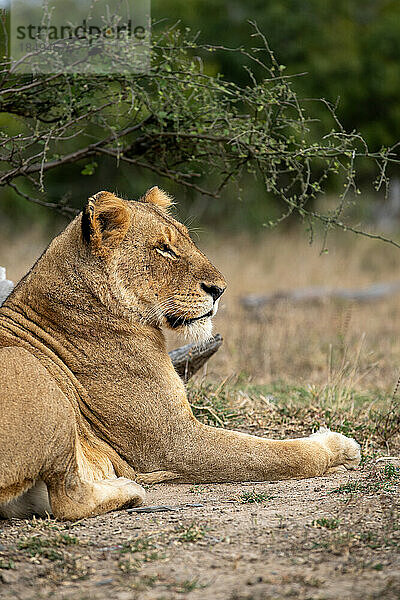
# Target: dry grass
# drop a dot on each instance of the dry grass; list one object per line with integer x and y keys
{"x": 344, "y": 345}
{"x": 18, "y": 252}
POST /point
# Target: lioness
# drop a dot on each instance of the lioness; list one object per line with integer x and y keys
{"x": 90, "y": 401}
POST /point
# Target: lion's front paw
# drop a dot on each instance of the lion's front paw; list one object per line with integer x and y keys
{"x": 345, "y": 451}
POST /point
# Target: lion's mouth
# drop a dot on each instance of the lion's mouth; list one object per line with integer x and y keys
{"x": 175, "y": 321}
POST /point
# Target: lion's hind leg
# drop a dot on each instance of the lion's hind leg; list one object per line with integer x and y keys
{"x": 87, "y": 490}
{"x": 77, "y": 499}
{"x": 39, "y": 442}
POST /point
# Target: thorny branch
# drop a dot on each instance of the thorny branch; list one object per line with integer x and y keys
{"x": 200, "y": 131}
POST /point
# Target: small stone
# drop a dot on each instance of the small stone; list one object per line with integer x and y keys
{"x": 252, "y": 558}
{"x": 255, "y": 580}
{"x": 104, "y": 581}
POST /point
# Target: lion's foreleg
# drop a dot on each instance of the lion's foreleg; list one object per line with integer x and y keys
{"x": 210, "y": 454}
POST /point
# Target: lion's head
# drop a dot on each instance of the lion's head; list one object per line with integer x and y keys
{"x": 153, "y": 268}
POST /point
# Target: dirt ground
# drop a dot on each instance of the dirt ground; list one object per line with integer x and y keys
{"x": 291, "y": 539}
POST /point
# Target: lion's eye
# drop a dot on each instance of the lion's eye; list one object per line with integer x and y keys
{"x": 165, "y": 250}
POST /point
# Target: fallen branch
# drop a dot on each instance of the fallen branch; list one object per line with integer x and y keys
{"x": 187, "y": 360}
{"x": 315, "y": 294}
{"x": 164, "y": 508}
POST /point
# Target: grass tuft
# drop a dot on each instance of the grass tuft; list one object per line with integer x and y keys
{"x": 191, "y": 533}
{"x": 377, "y": 481}
{"x": 47, "y": 547}
{"x": 250, "y": 497}
{"x": 326, "y": 523}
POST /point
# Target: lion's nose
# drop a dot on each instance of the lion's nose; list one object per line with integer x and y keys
{"x": 214, "y": 291}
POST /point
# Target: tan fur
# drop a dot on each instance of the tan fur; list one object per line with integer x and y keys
{"x": 158, "y": 197}
{"x": 105, "y": 205}
{"x": 89, "y": 397}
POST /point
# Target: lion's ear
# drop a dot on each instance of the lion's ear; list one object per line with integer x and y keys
{"x": 158, "y": 197}
{"x": 105, "y": 222}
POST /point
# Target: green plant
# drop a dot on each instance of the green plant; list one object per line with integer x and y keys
{"x": 136, "y": 545}
{"x": 385, "y": 480}
{"x": 7, "y": 564}
{"x": 249, "y": 497}
{"x": 48, "y": 547}
{"x": 352, "y": 487}
{"x": 326, "y": 523}
{"x": 174, "y": 121}
{"x": 371, "y": 539}
{"x": 191, "y": 533}
{"x": 129, "y": 565}
{"x": 188, "y": 585}
{"x": 392, "y": 472}
{"x": 42, "y": 548}
{"x": 146, "y": 549}
{"x": 211, "y": 404}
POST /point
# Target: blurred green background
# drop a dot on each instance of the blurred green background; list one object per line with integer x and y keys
{"x": 347, "y": 52}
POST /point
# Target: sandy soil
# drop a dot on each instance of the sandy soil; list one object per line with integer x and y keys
{"x": 299, "y": 541}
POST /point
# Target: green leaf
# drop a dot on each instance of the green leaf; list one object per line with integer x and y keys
{"x": 89, "y": 168}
